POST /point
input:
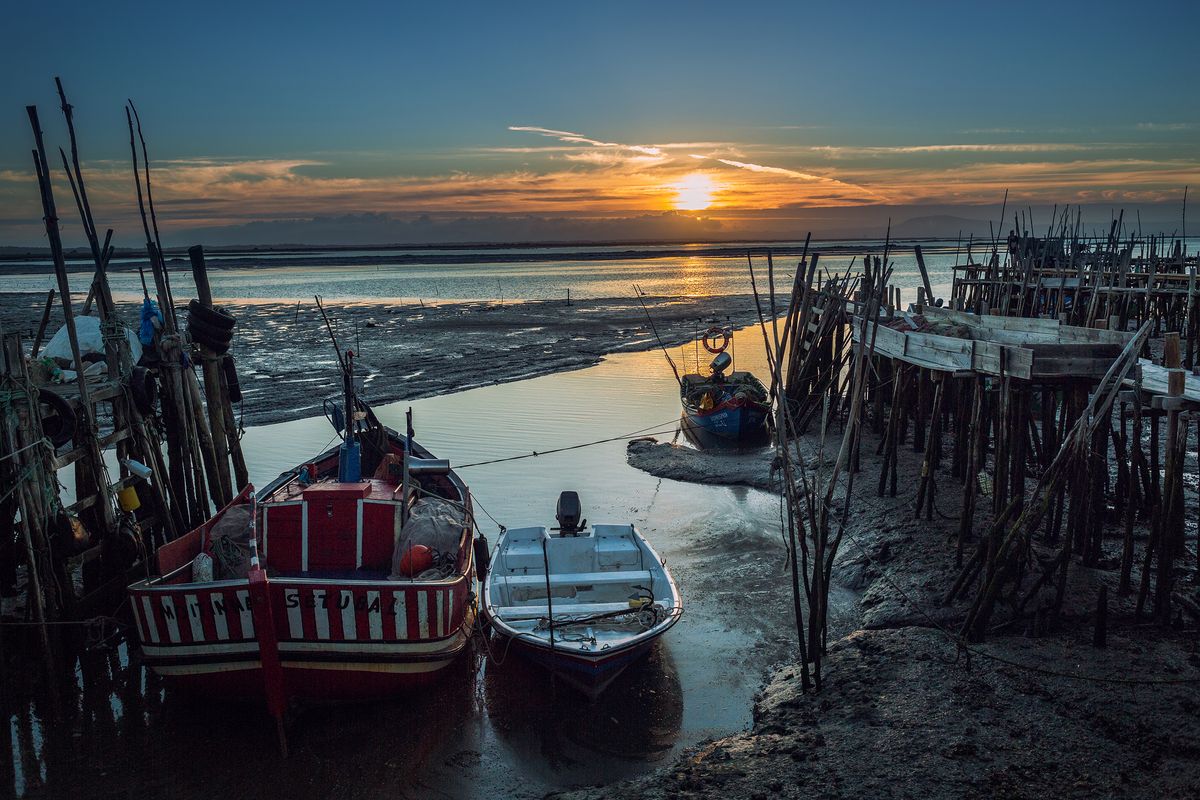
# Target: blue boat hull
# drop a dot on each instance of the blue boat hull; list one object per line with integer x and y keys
{"x": 735, "y": 423}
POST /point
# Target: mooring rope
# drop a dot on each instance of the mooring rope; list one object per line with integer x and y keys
{"x": 649, "y": 431}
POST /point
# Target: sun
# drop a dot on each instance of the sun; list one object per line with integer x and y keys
{"x": 694, "y": 192}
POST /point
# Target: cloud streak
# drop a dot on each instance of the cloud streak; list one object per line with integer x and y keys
{"x": 580, "y": 176}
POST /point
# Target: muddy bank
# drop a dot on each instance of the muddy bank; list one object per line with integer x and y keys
{"x": 681, "y": 463}
{"x": 900, "y": 717}
{"x": 1021, "y": 716}
{"x": 406, "y": 351}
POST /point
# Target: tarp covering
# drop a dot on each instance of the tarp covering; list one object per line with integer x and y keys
{"x": 91, "y": 341}
{"x": 436, "y": 523}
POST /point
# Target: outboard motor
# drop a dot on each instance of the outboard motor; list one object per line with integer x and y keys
{"x": 721, "y": 363}
{"x": 569, "y": 512}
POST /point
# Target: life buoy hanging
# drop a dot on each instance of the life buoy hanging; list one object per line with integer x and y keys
{"x": 710, "y": 338}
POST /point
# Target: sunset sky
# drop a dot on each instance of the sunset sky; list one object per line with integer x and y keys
{"x": 394, "y": 122}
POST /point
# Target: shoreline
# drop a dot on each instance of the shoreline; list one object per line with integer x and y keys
{"x": 1030, "y": 713}
{"x": 126, "y": 260}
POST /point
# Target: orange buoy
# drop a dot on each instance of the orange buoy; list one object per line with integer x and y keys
{"x": 416, "y": 560}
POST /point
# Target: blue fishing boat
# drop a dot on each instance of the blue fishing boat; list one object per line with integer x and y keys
{"x": 730, "y": 405}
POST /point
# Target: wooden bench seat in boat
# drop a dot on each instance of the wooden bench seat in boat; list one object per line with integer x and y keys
{"x": 534, "y": 612}
{"x": 604, "y": 547}
{"x": 579, "y": 579}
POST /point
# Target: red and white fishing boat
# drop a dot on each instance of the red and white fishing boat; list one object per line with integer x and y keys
{"x": 319, "y": 612}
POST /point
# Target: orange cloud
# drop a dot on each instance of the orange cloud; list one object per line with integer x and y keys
{"x": 583, "y": 176}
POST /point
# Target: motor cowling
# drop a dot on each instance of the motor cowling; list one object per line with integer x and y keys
{"x": 569, "y": 513}
{"x": 721, "y": 363}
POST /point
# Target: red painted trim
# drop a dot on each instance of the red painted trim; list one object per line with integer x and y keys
{"x": 268, "y": 643}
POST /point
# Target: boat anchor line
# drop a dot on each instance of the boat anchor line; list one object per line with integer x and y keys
{"x": 648, "y": 431}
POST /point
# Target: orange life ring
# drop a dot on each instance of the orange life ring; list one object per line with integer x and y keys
{"x": 711, "y": 335}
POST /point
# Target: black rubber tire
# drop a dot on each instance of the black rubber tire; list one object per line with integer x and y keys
{"x": 215, "y": 317}
{"x": 231, "y": 379}
{"x": 59, "y": 425}
{"x": 144, "y": 390}
{"x": 214, "y": 339}
{"x": 483, "y": 558}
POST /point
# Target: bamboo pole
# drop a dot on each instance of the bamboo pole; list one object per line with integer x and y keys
{"x": 41, "y": 331}
{"x": 87, "y": 428}
{"x": 215, "y": 400}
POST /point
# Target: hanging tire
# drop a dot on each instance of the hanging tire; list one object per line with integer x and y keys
{"x": 483, "y": 558}
{"x": 231, "y": 379}
{"x": 59, "y": 424}
{"x": 144, "y": 390}
{"x": 214, "y": 339}
{"x": 216, "y": 316}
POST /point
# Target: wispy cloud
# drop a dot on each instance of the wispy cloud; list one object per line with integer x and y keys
{"x": 842, "y": 151}
{"x": 1168, "y": 126}
{"x": 578, "y": 138}
{"x": 792, "y": 173}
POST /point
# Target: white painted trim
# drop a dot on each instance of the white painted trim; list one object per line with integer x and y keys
{"x": 304, "y": 537}
{"x": 358, "y": 535}
{"x": 321, "y": 612}
{"x": 151, "y": 624}
{"x": 441, "y": 620}
{"x": 264, "y": 532}
{"x": 172, "y": 618}
{"x": 295, "y": 620}
{"x": 246, "y": 614}
{"x": 400, "y": 601}
{"x": 193, "y": 612}
{"x": 375, "y": 618}
{"x": 219, "y": 604}
{"x": 199, "y": 650}
{"x": 137, "y": 621}
{"x": 448, "y": 644}
{"x": 349, "y": 621}
{"x": 423, "y": 614}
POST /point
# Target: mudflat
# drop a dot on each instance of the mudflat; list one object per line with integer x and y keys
{"x": 286, "y": 363}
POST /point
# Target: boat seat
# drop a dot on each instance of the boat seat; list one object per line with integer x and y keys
{"x": 535, "y": 611}
{"x": 643, "y": 577}
{"x": 617, "y": 551}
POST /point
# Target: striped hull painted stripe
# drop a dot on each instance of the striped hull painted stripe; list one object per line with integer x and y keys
{"x": 309, "y": 611}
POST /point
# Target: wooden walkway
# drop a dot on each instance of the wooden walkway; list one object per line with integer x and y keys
{"x": 1028, "y": 349}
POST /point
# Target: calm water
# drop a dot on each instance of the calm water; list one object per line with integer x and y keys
{"x": 493, "y": 727}
{"x": 694, "y": 275}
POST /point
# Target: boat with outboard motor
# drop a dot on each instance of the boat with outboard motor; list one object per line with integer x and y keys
{"x": 583, "y": 602}
{"x": 727, "y": 404}
{"x": 324, "y": 586}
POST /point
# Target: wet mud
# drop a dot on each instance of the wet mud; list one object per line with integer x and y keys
{"x": 905, "y": 712}
{"x": 407, "y": 350}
